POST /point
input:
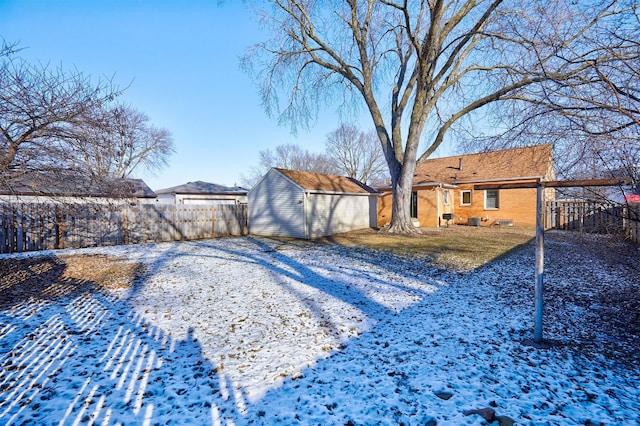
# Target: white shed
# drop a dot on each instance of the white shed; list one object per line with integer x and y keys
{"x": 291, "y": 203}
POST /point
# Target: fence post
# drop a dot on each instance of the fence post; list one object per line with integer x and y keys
{"x": 125, "y": 225}
{"x": 4, "y": 235}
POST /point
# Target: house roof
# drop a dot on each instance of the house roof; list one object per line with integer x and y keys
{"x": 203, "y": 188}
{"x": 326, "y": 183}
{"x": 66, "y": 184}
{"x": 508, "y": 164}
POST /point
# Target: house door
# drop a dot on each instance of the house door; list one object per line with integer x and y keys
{"x": 414, "y": 204}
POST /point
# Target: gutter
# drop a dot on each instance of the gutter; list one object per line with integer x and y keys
{"x": 536, "y": 178}
{"x": 425, "y": 185}
{"x": 311, "y": 191}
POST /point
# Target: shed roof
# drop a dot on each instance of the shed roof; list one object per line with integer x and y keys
{"x": 203, "y": 188}
{"x": 326, "y": 183}
{"x": 507, "y": 164}
{"x": 68, "y": 184}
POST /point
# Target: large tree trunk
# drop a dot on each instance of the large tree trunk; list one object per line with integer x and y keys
{"x": 401, "y": 188}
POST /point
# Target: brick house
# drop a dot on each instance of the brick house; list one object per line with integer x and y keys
{"x": 444, "y": 188}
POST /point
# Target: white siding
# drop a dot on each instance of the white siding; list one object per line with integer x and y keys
{"x": 166, "y": 199}
{"x": 52, "y": 199}
{"x": 276, "y": 207}
{"x": 210, "y": 199}
{"x": 332, "y": 214}
{"x": 201, "y": 199}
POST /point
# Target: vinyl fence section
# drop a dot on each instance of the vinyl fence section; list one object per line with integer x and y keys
{"x": 30, "y": 227}
{"x": 594, "y": 217}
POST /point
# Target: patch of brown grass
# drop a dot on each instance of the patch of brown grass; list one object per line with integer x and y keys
{"x": 457, "y": 247}
{"x": 51, "y": 277}
{"x": 105, "y": 272}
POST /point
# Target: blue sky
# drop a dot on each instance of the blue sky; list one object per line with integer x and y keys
{"x": 181, "y": 61}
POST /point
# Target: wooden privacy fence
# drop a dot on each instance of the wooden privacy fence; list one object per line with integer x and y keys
{"x": 594, "y": 217}
{"x": 632, "y": 223}
{"x": 29, "y": 227}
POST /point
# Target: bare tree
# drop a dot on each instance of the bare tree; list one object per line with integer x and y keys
{"x": 593, "y": 117}
{"x": 39, "y": 106}
{"x": 422, "y": 68}
{"x": 606, "y": 102}
{"x": 292, "y": 157}
{"x": 113, "y": 142}
{"x": 56, "y": 124}
{"x": 357, "y": 154}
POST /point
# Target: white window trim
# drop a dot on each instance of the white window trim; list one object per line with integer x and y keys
{"x": 446, "y": 197}
{"x": 485, "y": 199}
{"x": 462, "y": 203}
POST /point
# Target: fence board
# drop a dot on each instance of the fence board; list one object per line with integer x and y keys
{"x": 26, "y": 227}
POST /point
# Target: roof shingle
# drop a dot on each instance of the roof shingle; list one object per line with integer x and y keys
{"x": 326, "y": 183}
{"x": 200, "y": 187}
{"x": 508, "y": 164}
{"x": 66, "y": 184}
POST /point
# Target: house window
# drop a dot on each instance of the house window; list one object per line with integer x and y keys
{"x": 414, "y": 204}
{"x": 491, "y": 199}
{"x": 465, "y": 198}
{"x": 445, "y": 197}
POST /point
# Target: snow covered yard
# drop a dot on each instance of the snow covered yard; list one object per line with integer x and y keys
{"x": 257, "y": 331}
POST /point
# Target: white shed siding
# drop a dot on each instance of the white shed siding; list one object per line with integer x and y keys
{"x": 276, "y": 207}
{"x": 329, "y": 214}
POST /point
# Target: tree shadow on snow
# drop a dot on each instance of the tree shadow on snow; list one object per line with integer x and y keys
{"x": 73, "y": 353}
{"x": 395, "y": 372}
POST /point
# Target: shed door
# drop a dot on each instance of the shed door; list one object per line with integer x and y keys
{"x": 332, "y": 214}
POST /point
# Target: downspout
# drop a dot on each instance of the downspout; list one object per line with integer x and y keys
{"x": 439, "y": 196}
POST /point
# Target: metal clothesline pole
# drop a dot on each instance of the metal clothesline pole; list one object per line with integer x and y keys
{"x": 540, "y": 187}
{"x": 539, "y": 285}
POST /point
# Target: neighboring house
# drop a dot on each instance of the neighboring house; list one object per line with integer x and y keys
{"x": 61, "y": 187}
{"x": 202, "y": 193}
{"x": 444, "y": 188}
{"x": 299, "y": 204}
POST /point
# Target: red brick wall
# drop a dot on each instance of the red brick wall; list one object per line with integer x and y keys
{"x": 518, "y": 205}
{"x": 427, "y": 207}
